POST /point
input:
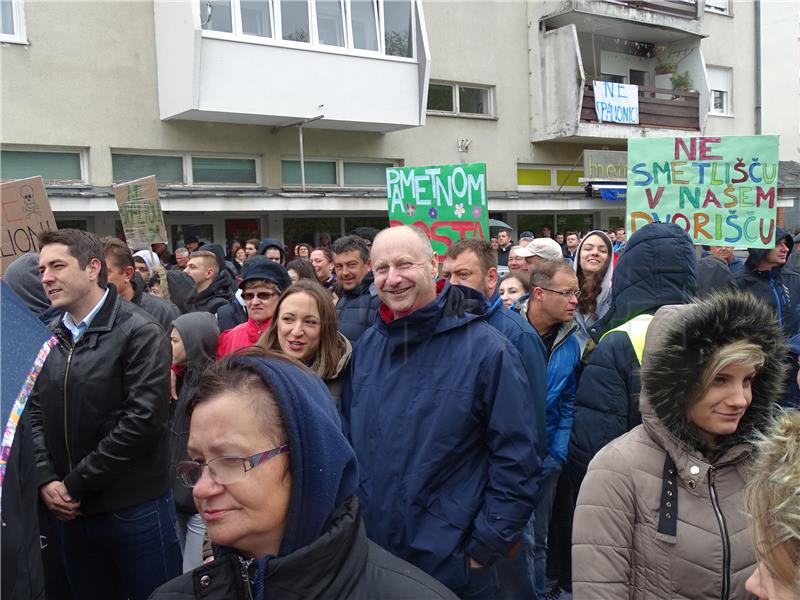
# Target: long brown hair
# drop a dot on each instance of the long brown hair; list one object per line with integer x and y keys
{"x": 591, "y": 284}
{"x": 329, "y": 351}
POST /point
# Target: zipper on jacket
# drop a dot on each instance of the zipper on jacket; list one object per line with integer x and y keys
{"x": 245, "y": 568}
{"x": 723, "y": 528}
{"x": 66, "y": 411}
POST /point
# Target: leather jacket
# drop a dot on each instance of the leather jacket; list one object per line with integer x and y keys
{"x": 99, "y": 410}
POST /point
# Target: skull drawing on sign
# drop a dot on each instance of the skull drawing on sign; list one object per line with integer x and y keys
{"x": 31, "y": 207}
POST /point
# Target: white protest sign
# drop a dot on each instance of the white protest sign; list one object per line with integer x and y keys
{"x": 616, "y": 102}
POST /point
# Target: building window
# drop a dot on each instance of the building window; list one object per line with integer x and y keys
{"x": 361, "y": 174}
{"x": 12, "y": 22}
{"x": 167, "y": 169}
{"x": 223, "y": 170}
{"x": 317, "y": 172}
{"x": 719, "y": 85}
{"x": 460, "y": 99}
{"x": 385, "y": 26}
{"x": 54, "y": 167}
{"x": 718, "y": 6}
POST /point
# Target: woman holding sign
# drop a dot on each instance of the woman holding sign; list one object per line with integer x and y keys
{"x": 660, "y": 514}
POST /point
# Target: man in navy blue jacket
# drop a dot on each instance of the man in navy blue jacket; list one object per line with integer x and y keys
{"x": 432, "y": 404}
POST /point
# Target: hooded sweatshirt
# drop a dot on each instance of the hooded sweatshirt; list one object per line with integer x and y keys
{"x": 23, "y": 277}
{"x": 272, "y": 243}
{"x": 324, "y": 552}
{"x": 199, "y": 333}
{"x": 660, "y": 513}
{"x": 149, "y": 258}
{"x": 586, "y": 322}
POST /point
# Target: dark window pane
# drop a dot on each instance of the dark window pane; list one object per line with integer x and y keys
{"x": 52, "y": 166}
{"x": 440, "y": 97}
{"x": 167, "y": 169}
{"x": 317, "y": 172}
{"x": 223, "y": 170}
{"x": 397, "y": 24}
{"x": 473, "y": 100}
{"x": 373, "y": 174}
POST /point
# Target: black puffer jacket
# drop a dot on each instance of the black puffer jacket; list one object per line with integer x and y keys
{"x": 215, "y": 296}
{"x": 657, "y": 268}
{"x": 99, "y": 410}
{"x": 341, "y": 564}
{"x": 231, "y": 315}
{"x": 162, "y": 311}
{"x": 357, "y": 308}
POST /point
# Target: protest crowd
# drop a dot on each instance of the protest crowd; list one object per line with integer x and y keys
{"x": 570, "y": 415}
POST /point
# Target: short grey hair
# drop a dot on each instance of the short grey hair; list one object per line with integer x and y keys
{"x": 427, "y": 249}
{"x": 182, "y": 251}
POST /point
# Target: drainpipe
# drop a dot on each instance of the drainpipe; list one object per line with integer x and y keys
{"x": 757, "y": 7}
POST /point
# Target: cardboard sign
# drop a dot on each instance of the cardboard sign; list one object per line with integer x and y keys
{"x": 722, "y": 190}
{"x": 26, "y": 215}
{"x": 140, "y": 212}
{"x": 446, "y": 201}
{"x": 616, "y": 102}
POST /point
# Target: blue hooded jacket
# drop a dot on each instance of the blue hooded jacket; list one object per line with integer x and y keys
{"x": 658, "y": 267}
{"x": 432, "y": 403}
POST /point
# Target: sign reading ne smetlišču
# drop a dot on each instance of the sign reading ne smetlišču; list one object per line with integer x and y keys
{"x": 26, "y": 216}
{"x": 446, "y": 201}
{"x": 140, "y": 212}
{"x": 721, "y": 190}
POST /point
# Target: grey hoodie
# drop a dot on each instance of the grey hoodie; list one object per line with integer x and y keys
{"x": 23, "y": 277}
{"x": 583, "y": 320}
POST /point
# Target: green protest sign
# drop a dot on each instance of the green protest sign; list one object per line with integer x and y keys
{"x": 721, "y": 190}
{"x": 446, "y": 201}
{"x": 140, "y": 212}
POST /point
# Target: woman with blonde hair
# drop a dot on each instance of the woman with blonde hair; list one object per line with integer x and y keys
{"x": 772, "y": 497}
{"x": 660, "y": 514}
{"x": 305, "y": 328}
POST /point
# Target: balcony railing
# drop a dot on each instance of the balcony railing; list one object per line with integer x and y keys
{"x": 678, "y": 8}
{"x": 657, "y": 108}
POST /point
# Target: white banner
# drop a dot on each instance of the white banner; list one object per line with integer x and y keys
{"x": 616, "y": 102}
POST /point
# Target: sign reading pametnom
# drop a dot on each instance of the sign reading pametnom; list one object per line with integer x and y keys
{"x": 26, "y": 216}
{"x": 721, "y": 190}
{"x": 140, "y": 212}
{"x": 616, "y": 102}
{"x": 446, "y": 201}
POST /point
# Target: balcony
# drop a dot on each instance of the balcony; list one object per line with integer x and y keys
{"x": 688, "y": 9}
{"x": 668, "y": 108}
{"x": 282, "y": 62}
{"x": 570, "y": 50}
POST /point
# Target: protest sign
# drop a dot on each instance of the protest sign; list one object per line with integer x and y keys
{"x": 721, "y": 190}
{"x": 448, "y": 202}
{"x": 616, "y": 102}
{"x": 140, "y": 212}
{"x": 26, "y": 215}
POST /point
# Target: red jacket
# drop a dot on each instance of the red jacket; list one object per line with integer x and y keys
{"x": 241, "y": 336}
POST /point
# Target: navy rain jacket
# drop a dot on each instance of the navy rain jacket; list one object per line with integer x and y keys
{"x": 432, "y": 404}
{"x": 356, "y": 308}
{"x": 658, "y": 267}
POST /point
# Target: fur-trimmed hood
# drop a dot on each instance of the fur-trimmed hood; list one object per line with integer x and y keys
{"x": 680, "y": 341}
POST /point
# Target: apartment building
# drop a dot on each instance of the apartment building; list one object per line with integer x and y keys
{"x": 279, "y": 117}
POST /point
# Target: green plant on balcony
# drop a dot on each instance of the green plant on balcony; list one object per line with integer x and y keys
{"x": 666, "y": 68}
{"x": 681, "y": 81}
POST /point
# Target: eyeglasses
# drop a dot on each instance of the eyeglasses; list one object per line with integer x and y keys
{"x": 567, "y": 294}
{"x": 225, "y": 469}
{"x": 264, "y": 296}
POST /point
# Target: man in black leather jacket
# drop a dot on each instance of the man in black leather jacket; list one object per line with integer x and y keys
{"x": 98, "y": 418}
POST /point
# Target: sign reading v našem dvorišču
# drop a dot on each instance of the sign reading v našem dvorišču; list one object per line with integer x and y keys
{"x": 721, "y": 190}
{"x": 447, "y": 201}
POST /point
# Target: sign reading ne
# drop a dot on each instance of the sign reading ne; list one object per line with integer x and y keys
{"x": 721, "y": 190}
{"x": 446, "y": 201}
{"x": 26, "y": 215}
{"x": 140, "y": 212}
{"x": 616, "y": 102}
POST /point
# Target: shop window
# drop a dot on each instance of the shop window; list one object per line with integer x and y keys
{"x": 352, "y": 223}
{"x": 317, "y": 231}
{"x": 167, "y": 169}
{"x": 54, "y": 167}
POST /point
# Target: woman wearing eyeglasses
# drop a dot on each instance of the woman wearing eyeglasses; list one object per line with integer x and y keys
{"x": 275, "y": 480}
{"x": 305, "y": 328}
{"x": 594, "y": 268}
{"x": 262, "y": 282}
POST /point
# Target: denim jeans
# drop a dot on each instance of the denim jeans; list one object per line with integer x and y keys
{"x": 124, "y": 554}
{"x": 191, "y": 530}
{"x": 481, "y": 585}
{"x": 514, "y": 580}
{"x": 536, "y": 532}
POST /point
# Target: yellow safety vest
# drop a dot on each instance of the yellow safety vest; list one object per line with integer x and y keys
{"x": 636, "y": 329}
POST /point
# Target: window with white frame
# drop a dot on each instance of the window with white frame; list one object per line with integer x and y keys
{"x": 460, "y": 99}
{"x": 56, "y": 167}
{"x": 12, "y": 22}
{"x": 718, "y": 6}
{"x": 384, "y": 26}
{"x": 719, "y": 87}
{"x": 186, "y": 168}
{"x": 335, "y": 173}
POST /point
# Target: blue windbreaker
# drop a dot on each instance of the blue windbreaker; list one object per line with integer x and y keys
{"x": 432, "y": 406}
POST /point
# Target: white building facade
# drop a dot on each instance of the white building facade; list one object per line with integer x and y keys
{"x": 279, "y": 117}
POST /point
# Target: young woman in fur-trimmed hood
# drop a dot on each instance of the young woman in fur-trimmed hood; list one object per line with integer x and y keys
{"x": 660, "y": 513}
